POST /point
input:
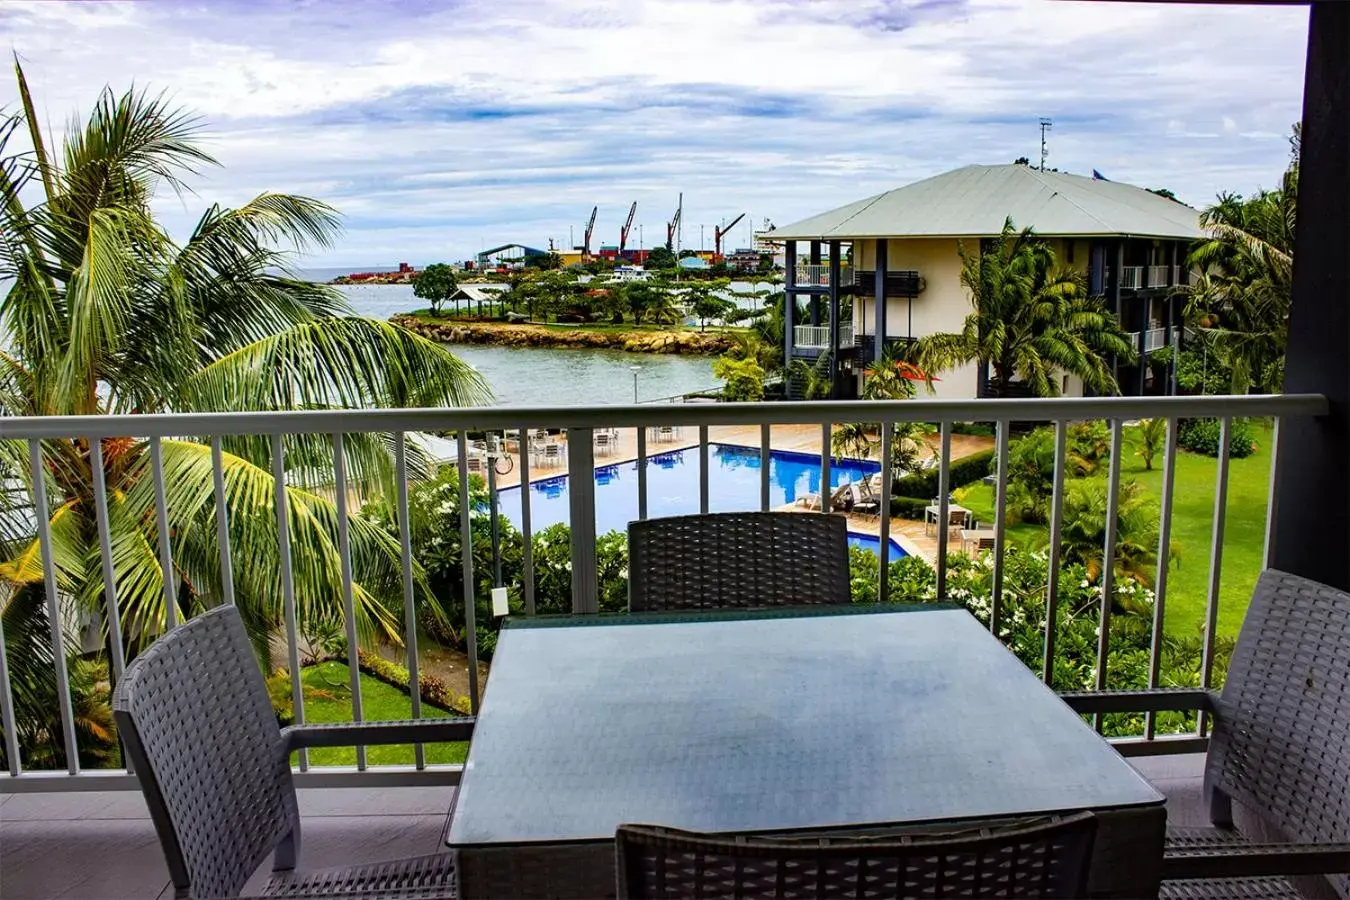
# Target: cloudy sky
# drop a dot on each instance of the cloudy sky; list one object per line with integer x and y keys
{"x": 441, "y": 127}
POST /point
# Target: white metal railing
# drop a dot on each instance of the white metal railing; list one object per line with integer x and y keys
{"x": 818, "y": 336}
{"x": 1176, "y": 275}
{"x": 1155, "y": 339}
{"x": 808, "y": 275}
{"x": 282, "y": 433}
{"x": 1157, "y": 276}
{"x": 1131, "y": 277}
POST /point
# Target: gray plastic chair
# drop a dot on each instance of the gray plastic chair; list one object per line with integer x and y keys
{"x": 198, "y": 727}
{"x": 1280, "y": 749}
{"x": 1046, "y": 859}
{"x": 737, "y": 560}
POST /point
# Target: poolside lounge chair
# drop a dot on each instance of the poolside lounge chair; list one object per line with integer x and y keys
{"x": 863, "y": 505}
{"x": 1045, "y": 858}
{"x": 839, "y": 499}
{"x": 737, "y": 561}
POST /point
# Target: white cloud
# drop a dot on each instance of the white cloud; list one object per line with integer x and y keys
{"x": 435, "y": 127}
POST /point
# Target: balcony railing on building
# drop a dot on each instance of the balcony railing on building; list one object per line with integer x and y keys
{"x": 808, "y": 275}
{"x": 817, "y": 337}
{"x": 899, "y": 284}
{"x": 1154, "y": 338}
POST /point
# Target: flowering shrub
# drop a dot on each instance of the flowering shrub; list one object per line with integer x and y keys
{"x": 1021, "y": 622}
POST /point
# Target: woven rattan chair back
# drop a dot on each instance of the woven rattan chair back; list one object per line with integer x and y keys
{"x": 1281, "y": 743}
{"x": 195, "y": 718}
{"x": 1049, "y": 859}
{"x": 737, "y": 560}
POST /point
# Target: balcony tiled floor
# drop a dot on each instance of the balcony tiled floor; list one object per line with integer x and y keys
{"x": 102, "y": 846}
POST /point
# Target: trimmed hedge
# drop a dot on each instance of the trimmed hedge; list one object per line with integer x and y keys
{"x": 1202, "y": 436}
{"x": 962, "y": 472}
{"x": 432, "y": 689}
{"x": 909, "y": 507}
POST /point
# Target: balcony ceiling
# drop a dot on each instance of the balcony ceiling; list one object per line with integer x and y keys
{"x": 974, "y": 201}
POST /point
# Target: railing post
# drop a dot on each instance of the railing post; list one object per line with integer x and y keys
{"x": 581, "y": 495}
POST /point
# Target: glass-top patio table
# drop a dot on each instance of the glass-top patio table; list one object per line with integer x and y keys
{"x": 822, "y": 718}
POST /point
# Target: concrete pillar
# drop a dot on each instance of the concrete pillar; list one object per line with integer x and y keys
{"x": 834, "y": 317}
{"x": 879, "y": 293}
{"x": 1311, "y": 518}
{"x": 813, "y": 258}
{"x": 789, "y": 298}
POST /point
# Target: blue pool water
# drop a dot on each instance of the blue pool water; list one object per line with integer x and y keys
{"x": 672, "y": 488}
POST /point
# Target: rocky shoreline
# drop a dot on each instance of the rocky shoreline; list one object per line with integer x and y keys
{"x": 513, "y": 335}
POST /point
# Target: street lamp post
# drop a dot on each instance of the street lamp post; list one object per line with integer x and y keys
{"x": 635, "y": 370}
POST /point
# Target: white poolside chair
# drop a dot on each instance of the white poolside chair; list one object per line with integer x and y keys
{"x": 552, "y": 455}
{"x": 604, "y": 443}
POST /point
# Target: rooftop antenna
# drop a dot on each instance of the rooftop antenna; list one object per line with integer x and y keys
{"x": 1046, "y": 125}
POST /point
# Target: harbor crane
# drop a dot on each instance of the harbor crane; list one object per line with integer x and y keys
{"x": 720, "y": 233}
{"x": 586, "y": 240}
{"x": 624, "y": 231}
{"x": 673, "y": 226}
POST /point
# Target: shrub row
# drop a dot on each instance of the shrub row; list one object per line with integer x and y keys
{"x": 432, "y": 689}
{"x": 963, "y": 471}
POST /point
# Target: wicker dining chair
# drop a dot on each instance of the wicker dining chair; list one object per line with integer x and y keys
{"x": 1049, "y": 858}
{"x": 1280, "y": 752}
{"x": 737, "y": 560}
{"x": 194, "y": 716}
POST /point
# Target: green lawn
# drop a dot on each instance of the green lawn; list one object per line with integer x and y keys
{"x": 1192, "y": 530}
{"x": 328, "y": 699}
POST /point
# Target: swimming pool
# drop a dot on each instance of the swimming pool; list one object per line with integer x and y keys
{"x": 672, "y": 488}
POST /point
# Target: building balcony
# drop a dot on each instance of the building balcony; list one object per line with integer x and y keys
{"x": 1138, "y": 278}
{"x": 1154, "y": 339}
{"x": 92, "y": 818}
{"x": 809, "y": 277}
{"x": 899, "y": 285}
{"x": 817, "y": 337}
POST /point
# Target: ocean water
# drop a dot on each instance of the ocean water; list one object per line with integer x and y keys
{"x": 542, "y": 376}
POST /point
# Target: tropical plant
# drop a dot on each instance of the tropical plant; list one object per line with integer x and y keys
{"x": 435, "y": 284}
{"x": 853, "y": 440}
{"x": 660, "y": 257}
{"x": 1083, "y": 534}
{"x": 1246, "y": 270}
{"x": 1149, "y": 435}
{"x": 1032, "y": 319}
{"x": 663, "y": 306}
{"x": 744, "y": 379}
{"x": 814, "y": 378}
{"x": 106, "y": 313}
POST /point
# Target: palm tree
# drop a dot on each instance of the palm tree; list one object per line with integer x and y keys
{"x": 1084, "y": 530}
{"x": 109, "y": 314}
{"x": 1246, "y": 276}
{"x": 1031, "y": 320}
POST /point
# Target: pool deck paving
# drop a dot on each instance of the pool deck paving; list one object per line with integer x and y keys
{"x": 909, "y": 534}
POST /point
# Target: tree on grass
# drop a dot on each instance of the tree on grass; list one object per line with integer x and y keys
{"x": 1149, "y": 437}
{"x": 1031, "y": 320}
{"x": 435, "y": 284}
{"x": 706, "y": 303}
